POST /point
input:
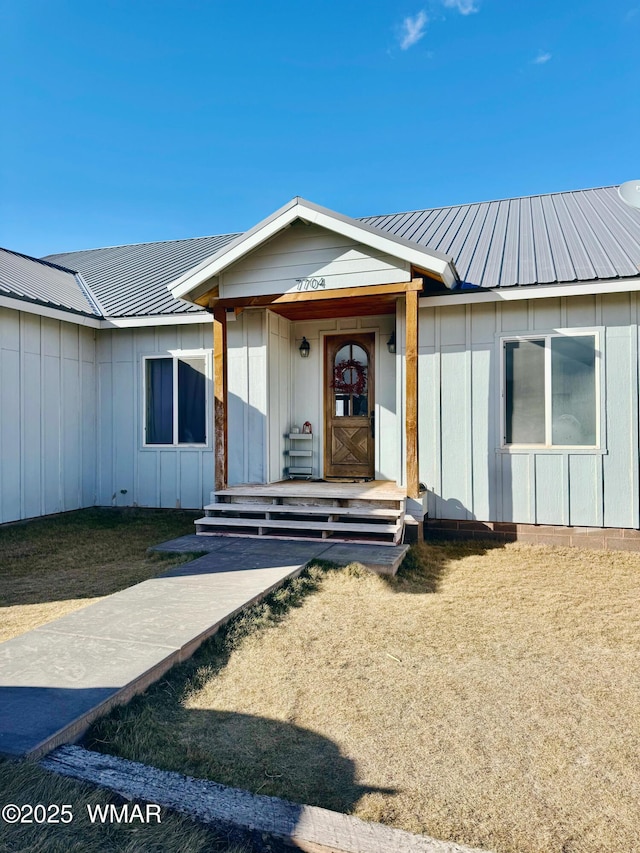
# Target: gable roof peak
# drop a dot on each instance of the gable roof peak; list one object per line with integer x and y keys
{"x": 193, "y": 283}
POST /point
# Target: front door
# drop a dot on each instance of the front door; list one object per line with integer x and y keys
{"x": 349, "y": 425}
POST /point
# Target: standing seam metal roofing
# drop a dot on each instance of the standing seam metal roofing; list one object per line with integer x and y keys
{"x": 131, "y": 281}
{"x": 561, "y": 237}
{"x": 45, "y": 283}
{"x": 564, "y": 237}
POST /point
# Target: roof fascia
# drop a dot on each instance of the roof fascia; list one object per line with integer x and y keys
{"x": 532, "y": 291}
{"x": 190, "y": 284}
{"x": 156, "y": 320}
{"x": 46, "y": 311}
{"x": 224, "y": 257}
{"x": 437, "y": 262}
{"x": 18, "y": 304}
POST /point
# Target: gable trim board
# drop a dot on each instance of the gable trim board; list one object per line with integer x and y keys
{"x": 53, "y": 377}
{"x": 199, "y": 281}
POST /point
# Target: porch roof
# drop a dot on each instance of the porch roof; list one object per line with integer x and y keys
{"x": 202, "y": 279}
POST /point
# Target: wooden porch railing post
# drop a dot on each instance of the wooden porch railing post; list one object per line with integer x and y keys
{"x": 220, "y": 396}
{"x": 411, "y": 402}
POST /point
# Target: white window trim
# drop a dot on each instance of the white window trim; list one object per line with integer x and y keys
{"x": 175, "y": 355}
{"x": 593, "y": 449}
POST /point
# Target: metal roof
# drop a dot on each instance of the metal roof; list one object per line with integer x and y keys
{"x": 546, "y": 239}
{"x": 564, "y": 237}
{"x": 33, "y": 280}
{"x": 131, "y": 281}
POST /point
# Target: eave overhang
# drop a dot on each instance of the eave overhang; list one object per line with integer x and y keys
{"x": 477, "y": 295}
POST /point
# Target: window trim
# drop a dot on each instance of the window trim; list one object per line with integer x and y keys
{"x": 175, "y": 356}
{"x": 547, "y": 447}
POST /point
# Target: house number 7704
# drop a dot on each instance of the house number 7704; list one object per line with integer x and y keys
{"x": 310, "y": 284}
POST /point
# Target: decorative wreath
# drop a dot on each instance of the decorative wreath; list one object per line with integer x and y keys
{"x": 346, "y": 367}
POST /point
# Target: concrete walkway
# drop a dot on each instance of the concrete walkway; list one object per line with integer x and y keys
{"x": 57, "y": 679}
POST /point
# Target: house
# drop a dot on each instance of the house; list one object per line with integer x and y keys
{"x": 483, "y": 358}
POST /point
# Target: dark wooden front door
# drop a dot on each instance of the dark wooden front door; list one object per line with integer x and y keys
{"x": 349, "y": 406}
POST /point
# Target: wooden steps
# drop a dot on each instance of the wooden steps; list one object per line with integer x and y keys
{"x": 370, "y": 512}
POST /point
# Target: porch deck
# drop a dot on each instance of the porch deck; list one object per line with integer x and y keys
{"x": 379, "y": 490}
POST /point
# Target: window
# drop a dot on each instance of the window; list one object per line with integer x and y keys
{"x": 350, "y": 369}
{"x": 550, "y": 391}
{"x": 175, "y": 400}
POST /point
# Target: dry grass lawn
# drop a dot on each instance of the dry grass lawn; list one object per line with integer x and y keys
{"x": 485, "y": 696}
{"x": 52, "y": 566}
{"x": 49, "y": 567}
{"x": 23, "y": 782}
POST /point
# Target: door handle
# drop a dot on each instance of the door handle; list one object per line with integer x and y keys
{"x": 373, "y": 424}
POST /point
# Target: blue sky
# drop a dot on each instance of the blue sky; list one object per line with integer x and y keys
{"x": 131, "y": 121}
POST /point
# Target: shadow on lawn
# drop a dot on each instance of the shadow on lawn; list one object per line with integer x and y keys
{"x": 253, "y": 753}
{"x": 264, "y": 756}
{"x": 426, "y": 563}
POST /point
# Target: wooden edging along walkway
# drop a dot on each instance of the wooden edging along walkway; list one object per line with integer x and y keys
{"x": 244, "y": 814}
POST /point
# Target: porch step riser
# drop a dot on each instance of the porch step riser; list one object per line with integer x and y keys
{"x": 278, "y": 510}
{"x": 292, "y": 524}
{"x": 317, "y": 511}
{"x": 337, "y": 538}
{"x": 312, "y": 501}
{"x": 379, "y": 532}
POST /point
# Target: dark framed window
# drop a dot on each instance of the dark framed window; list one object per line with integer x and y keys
{"x": 175, "y": 400}
{"x": 551, "y": 391}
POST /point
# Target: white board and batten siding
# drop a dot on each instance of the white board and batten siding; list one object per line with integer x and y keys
{"x": 322, "y": 258}
{"x": 247, "y": 394}
{"x": 128, "y": 472}
{"x": 258, "y": 396}
{"x": 281, "y": 349}
{"x": 469, "y": 474}
{"x": 47, "y": 416}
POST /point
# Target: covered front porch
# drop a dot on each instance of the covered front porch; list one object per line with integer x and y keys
{"x": 315, "y": 327}
{"x": 288, "y": 417}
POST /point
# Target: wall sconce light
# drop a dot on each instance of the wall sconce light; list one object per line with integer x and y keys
{"x": 305, "y": 348}
{"x": 391, "y": 343}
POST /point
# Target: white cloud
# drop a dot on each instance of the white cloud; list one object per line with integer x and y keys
{"x": 465, "y": 7}
{"x": 542, "y": 58}
{"x": 413, "y": 29}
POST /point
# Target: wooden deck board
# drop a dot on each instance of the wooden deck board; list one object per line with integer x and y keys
{"x": 375, "y": 490}
{"x": 301, "y": 509}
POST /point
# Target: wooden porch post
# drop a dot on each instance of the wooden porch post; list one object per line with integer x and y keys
{"x": 411, "y": 402}
{"x": 220, "y": 396}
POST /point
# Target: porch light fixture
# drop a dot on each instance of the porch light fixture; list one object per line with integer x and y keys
{"x": 391, "y": 343}
{"x": 305, "y": 348}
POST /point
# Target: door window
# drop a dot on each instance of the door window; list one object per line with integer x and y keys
{"x": 350, "y": 381}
